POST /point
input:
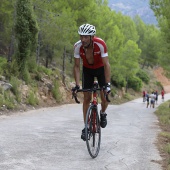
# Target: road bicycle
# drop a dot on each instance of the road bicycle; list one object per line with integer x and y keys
{"x": 92, "y": 122}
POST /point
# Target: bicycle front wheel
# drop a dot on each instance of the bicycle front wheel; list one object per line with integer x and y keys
{"x": 93, "y": 131}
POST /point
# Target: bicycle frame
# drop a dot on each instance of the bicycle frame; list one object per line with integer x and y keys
{"x": 92, "y": 122}
{"x": 94, "y": 103}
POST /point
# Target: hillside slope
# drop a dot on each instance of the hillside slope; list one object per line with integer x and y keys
{"x": 159, "y": 73}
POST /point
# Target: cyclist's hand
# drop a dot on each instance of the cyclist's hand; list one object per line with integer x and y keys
{"x": 107, "y": 88}
{"x": 74, "y": 89}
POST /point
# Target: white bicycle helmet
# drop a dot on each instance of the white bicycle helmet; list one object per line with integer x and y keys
{"x": 87, "y": 29}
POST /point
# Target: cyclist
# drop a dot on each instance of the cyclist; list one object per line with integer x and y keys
{"x": 162, "y": 94}
{"x": 93, "y": 52}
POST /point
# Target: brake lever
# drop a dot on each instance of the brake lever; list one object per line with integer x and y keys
{"x": 74, "y": 95}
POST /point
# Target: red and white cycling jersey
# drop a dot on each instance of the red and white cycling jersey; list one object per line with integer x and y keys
{"x": 99, "y": 50}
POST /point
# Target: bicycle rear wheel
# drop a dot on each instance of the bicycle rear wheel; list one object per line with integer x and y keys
{"x": 93, "y": 131}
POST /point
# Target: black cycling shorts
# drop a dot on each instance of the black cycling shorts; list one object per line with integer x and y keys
{"x": 88, "y": 76}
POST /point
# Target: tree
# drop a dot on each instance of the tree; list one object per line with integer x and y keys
{"x": 26, "y": 33}
{"x": 162, "y": 12}
{"x": 7, "y": 18}
{"x": 129, "y": 60}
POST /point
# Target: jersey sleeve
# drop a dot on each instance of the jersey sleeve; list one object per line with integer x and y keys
{"x": 77, "y": 49}
{"x": 103, "y": 47}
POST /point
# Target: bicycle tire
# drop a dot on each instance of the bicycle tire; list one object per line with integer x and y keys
{"x": 93, "y": 131}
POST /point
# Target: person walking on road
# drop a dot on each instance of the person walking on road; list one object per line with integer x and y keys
{"x": 156, "y": 99}
{"x": 144, "y": 95}
{"x": 93, "y": 52}
{"x": 162, "y": 94}
{"x": 147, "y": 100}
{"x": 152, "y": 102}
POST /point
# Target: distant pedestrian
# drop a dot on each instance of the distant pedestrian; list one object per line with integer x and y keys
{"x": 162, "y": 94}
{"x": 147, "y": 100}
{"x": 152, "y": 102}
{"x": 144, "y": 96}
{"x": 156, "y": 99}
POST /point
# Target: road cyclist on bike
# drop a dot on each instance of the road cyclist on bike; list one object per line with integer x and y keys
{"x": 93, "y": 53}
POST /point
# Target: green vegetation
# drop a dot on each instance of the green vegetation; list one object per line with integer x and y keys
{"x": 7, "y": 99}
{"x": 32, "y": 99}
{"x": 135, "y": 83}
{"x": 3, "y": 62}
{"x": 161, "y": 11}
{"x": 143, "y": 76}
{"x": 56, "y": 92}
{"x": 16, "y": 88}
{"x": 26, "y": 34}
{"x": 163, "y": 113}
{"x": 37, "y": 39}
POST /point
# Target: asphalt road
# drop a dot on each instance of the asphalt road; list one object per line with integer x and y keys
{"x": 49, "y": 139}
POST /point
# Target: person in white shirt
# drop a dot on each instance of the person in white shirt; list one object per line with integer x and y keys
{"x": 152, "y": 97}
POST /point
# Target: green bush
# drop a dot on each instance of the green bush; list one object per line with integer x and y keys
{"x": 163, "y": 113}
{"x": 1, "y": 100}
{"x": 9, "y": 100}
{"x": 32, "y": 99}
{"x": 37, "y": 76}
{"x": 56, "y": 91}
{"x": 11, "y": 69}
{"x": 135, "y": 83}
{"x": 26, "y": 76}
{"x": 32, "y": 65}
{"x": 45, "y": 70}
{"x": 118, "y": 81}
{"x": 143, "y": 76}
{"x": 126, "y": 96}
{"x": 16, "y": 88}
{"x": 1, "y": 90}
{"x": 167, "y": 148}
{"x": 113, "y": 92}
{"x": 3, "y": 63}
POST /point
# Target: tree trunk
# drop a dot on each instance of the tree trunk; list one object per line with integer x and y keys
{"x": 11, "y": 49}
{"x": 126, "y": 85}
{"x": 64, "y": 56}
{"x": 38, "y": 49}
{"x": 47, "y": 51}
{"x": 143, "y": 64}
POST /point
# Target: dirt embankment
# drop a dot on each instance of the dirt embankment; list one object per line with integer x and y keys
{"x": 159, "y": 73}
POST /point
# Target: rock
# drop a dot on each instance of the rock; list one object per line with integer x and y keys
{"x": 2, "y": 78}
{"x": 5, "y": 85}
{"x": 25, "y": 91}
{"x": 44, "y": 98}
